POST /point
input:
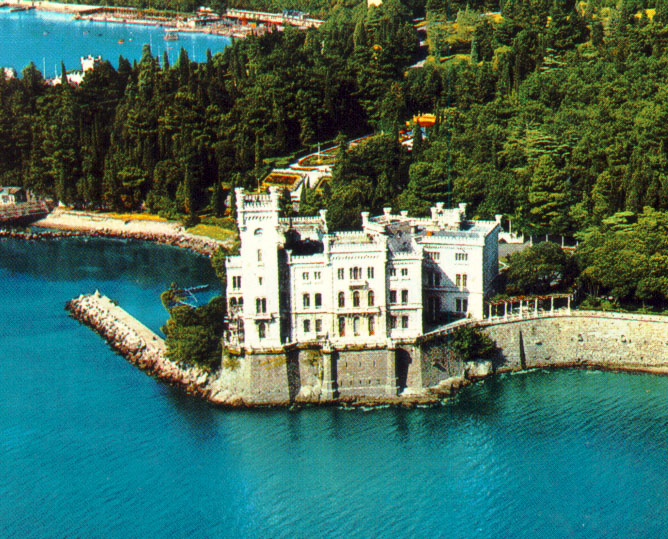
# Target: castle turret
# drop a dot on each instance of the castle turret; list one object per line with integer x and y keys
{"x": 258, "y": 267}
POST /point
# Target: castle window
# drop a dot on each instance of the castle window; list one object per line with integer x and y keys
{"x": 342, "y": 326}
{"x": 458, "y": 280}
{"x": 404, "y": 322}
{"x": 404, "y": 272}
{"x": 318, "y": 326}
{"x": 259, "y": 255}
{"x": 340, "y": 273}
{"x": 372, "y": 329}
{"x": 434, "y": 307}
{"x": 433, "y": 256}
{"x": 464, "y": 280}
{"x": 305, "y": 276}
{"x": 233, "y": 302}
{"x": 461, "y": 305}
{"x": 404, "y": 297}
{"x": 262, "y": 330}
{"x": 393, "y": 297}
{"x": 342, "y": 300}
{"x": 393, "y": 272}
{"x": 316, "y": 275}
{"x": 236, "y": 282}
{"x": 371, "y": 298}
{"x": 356, "y": 325}
{"x": 307, "y": 326}
{"x": 260, "y": 305}
{"x": 318, "y": 300}
{"x": 393, "y": 322}
{"x": 369, "y": 273}
{"x": 306, "y": 299}
{"x": 461, "y": 257}
{"x": 355, "y": 273}
{"x": 241, "y": 301}
{"x": 356, "y": 299}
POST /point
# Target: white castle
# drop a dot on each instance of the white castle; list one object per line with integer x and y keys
{"x": 392, "y": 281}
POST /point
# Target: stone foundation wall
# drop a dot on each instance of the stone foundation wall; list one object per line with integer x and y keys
{"x": 364, "y": 373}
{"x": 439, "y": 363}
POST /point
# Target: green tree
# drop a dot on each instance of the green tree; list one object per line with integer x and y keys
{"x": 538, "y": 270}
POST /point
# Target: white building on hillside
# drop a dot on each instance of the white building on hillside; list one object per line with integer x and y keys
{"x": 398, "y": 277}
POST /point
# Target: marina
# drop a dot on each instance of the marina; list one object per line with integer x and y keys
{"x": 46, "y": 38}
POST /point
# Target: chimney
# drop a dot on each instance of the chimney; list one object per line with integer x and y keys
{"x": 365, "y": 218}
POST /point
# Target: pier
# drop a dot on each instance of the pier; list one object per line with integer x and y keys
{"x": 22, "y": 213}
{"x": 138, "y": 344}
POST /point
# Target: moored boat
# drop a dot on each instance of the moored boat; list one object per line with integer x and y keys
{"x": 171, "y": 34}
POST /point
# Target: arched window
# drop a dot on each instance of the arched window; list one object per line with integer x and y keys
{"x": 342, "y": 326}
{"x": 356, "y": 299}
{"x": 342, "y": 300}
{"x": 241, "y": 301}
{"x": 372, "y": 298}
{"x": 233, "y": 302}
{"x": 261, "y": 330}
{"x": 356, "y": 325}
{"x": 372, "y": 328}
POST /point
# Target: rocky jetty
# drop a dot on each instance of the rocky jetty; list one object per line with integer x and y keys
{"x": 143, "y": 348}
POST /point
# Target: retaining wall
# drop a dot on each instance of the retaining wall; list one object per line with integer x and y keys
{"x": 613, "y": 340}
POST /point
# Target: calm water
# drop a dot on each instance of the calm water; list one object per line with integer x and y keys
{"x": 91, "y": 447}
{"x": 47, "y": 38}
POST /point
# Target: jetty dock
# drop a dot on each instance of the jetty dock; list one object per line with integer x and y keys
{"x": 22, "y": 213}
{"x": 137, "y": 343}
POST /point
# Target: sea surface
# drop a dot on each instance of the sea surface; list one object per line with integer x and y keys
{"x": 49, "y": 38}
{"x": 92, "y": 447}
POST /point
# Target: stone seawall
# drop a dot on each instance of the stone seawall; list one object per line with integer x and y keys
{"x": 586, "y": 338}
{"x": 145, "y": 349}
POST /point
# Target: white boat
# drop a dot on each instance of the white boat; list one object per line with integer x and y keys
{"x": 171, "y": 34}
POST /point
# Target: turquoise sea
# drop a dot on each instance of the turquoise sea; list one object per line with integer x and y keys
{"x": 92, "y": 447}
{"x": 49, "y": 38}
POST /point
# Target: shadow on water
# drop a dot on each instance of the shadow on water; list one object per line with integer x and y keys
{"x": 198, "y": 416}
{"x": 145, "y": 264}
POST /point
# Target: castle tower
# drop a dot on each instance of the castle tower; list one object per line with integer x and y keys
{"x": 258, "y": 267}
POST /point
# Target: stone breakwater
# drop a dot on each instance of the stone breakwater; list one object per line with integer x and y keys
{"x": 143, "y": 348}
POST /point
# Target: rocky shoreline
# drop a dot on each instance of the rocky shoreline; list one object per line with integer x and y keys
{"x": 196, "y": 245}
{"x": 67, "y": 224}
